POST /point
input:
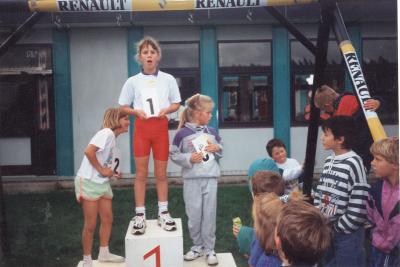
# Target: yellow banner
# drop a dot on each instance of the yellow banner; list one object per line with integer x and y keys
{"x": 151, "y": 5}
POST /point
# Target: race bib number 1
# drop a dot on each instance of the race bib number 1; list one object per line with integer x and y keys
{"x": 150, "y": 102}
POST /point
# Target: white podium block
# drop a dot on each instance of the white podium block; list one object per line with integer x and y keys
{"x": 155, "y": 248}
{"x": 104, "y": 264}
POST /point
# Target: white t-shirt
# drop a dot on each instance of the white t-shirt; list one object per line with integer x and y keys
{"x": 161, "y": 88}
{"x": 105, "y": 141}
{"x": 291, "y": 169}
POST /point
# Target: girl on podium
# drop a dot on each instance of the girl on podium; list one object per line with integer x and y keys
{"x": 196, "y": 148}
{"x": 154, "y": 94}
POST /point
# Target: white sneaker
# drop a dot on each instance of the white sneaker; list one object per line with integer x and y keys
{"x": 166, "y": 222}
{"x": 212, "y": 258}
{"x": 193, "y": 253}
{"x": 87, "y": 263}
{"x": 109, "y": 257}
{"x": 139, "y": 224}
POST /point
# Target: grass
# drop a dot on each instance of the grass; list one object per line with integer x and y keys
{"x": 44, "y": 229}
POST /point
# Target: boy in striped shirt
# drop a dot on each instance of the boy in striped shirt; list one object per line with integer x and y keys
{"x": 342, "y": 192}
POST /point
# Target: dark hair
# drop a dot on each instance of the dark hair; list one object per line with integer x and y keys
{"x": 304, "y": 233}
{"x": 274, "y": 143}
{"x": 341, "y": 126}
{"x": 267, "y": 182}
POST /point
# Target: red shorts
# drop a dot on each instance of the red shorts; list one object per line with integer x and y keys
{"x": 151, "y": 134}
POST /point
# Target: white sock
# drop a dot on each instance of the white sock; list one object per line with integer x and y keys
{"x": 162, "y": 206}
{"x": 104, "y": 251}
{"x": 87, "y": 257}
{"x": 140, "y": 210}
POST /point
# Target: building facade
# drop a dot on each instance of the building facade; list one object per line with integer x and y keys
{"x": 57, "y": 81}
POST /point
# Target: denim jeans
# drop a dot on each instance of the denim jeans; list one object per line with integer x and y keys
{"x": 380, "y": 259}
{"x": 347, "y": 250}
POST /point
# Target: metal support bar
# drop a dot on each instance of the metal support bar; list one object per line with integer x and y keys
{"x": 356, "y": 74}
{"x": 292, "y": 29}
{"x": 4, "y": 248}
{"x": 19, "y": 32}
{"x": 319, "y": 68}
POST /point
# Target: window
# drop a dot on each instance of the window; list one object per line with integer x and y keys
{"x": 27, "y": 111}
{"x": 302, "y": 76}
{"x": 181, "y": 59}
{"x": 245, "y": 84}
{"x": 380, "y": 71}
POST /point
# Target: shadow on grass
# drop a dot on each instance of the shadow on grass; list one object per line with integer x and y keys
{"x": 44, "y": 229}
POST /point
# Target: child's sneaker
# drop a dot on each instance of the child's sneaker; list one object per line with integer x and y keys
{"x": 166, "y": 222}
{"x": 109, "y": 257}
{"x": 212, "y": 258}
{"x": 139, "y": 224}
{"x": 87, "y": 263}
{"x": 194, "y": 253}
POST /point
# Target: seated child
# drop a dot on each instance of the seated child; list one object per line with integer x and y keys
{"x": 302, "y": 234}
{"x": 383, "y": 204}
{"x": 262, "y": 182}
{"x": 289, "y": 168}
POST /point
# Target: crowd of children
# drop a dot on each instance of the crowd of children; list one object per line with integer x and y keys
{"x": 288, "y": 231}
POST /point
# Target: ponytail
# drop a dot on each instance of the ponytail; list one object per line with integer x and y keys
{"x": 196, "y": 102}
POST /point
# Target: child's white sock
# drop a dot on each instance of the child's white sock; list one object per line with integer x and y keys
{"x": 87, "y": 261}
{"x": 140, "y": 210}
{"x": 106, "y": 256}
{"x": 103, "y": 250}
{"x": 162, "y": 206}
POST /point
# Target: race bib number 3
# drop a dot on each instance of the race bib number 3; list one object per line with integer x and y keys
{"x": 150, "y": 102}
{"x": 200, "y": 144}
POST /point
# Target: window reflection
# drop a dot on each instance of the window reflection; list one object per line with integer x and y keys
{"x": 181, "y": 59}
{"x": 245, "y": 84}
{"x": 380, "y": 70}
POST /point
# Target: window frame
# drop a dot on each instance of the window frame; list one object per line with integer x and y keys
{"x": 240, "y": 71}
{"x": 184, "y": 72}
{"x": 308, "y": 70}
{"x": 365, "y": 71}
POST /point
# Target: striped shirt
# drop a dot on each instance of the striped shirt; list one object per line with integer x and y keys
{"x": 342, "y": 192}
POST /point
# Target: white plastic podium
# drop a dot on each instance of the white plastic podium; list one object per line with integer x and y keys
{"x": 156, "y": 247}
{"x": 224, "y": 260}
{"x": 159, "y": 248}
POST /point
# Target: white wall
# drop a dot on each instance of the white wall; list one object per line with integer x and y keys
{"x": 98, "y": 71}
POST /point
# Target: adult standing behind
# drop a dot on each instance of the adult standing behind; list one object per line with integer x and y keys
{"x": 154, "y": 94}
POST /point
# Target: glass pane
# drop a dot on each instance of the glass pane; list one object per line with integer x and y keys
{"x": 379, "y": 51}
{"x": 302, "y": 91}
{"x": 244, "y": 54}
{"x": 180, "y": 55}
{"x": 301, "y": 57}
{"x": 188, "y": 86}
{"x": 246, "y": 98}
{"x": 19, "y": 57}
{"x": 380, "y": 70}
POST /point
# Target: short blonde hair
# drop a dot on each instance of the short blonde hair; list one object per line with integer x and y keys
{"x": 324, "y": 95}
{"x": 266, "y": 209}
{"x": 111, "y": 118}
{"x": 388, "y": 148}
{"x": 145, "y": 42}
